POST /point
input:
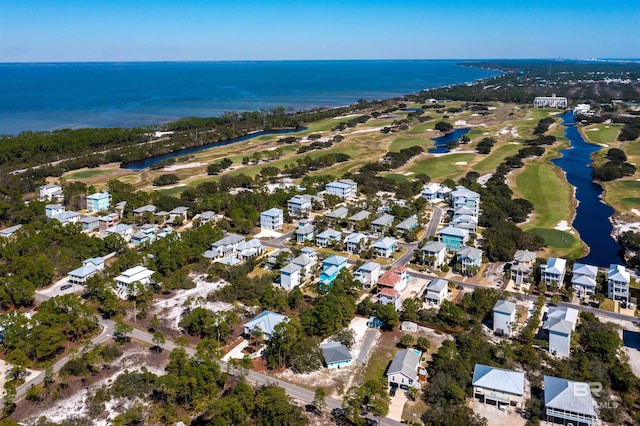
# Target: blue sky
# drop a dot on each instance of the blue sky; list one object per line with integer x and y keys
{"x": 142, "y": 30}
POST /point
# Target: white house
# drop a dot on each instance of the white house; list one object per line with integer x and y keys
{"x": 434, "y": 253}
{"x": 395, "y": 278}
{"x": 504, "y": 316}
{"x": 8, "y": 232}
{"x": 618, "y": 279}
{"x": 430, "y": 192}
{"x": 552, "y": 101}
{"x": 355, "y": 242}
{"x": 583, "y": 279}
{"x": 149, "y": 208}
{"x": 137, "y": 274}
{"x": 389, "y": 296}
{"x": 521, "y": 266}
{"x": 566, "y": 401}
{"x": 306, "y": 263}
{"x": 344, "y": 188}
{"x": 272, "y": 219}
{"x": 299, "y": 205}
{"x": 265, "y": 322}
{"x": 553, "y": 271}
{"x": 178, "y": 214}
{"x": 403, "y": 371}
{"x": 339, "y": 213}
{"x": 436, "y": 292}
{"x": 53, "y": 210}
{"x": 560, "y": 322}
{"x": 80, "y": 275}
{"x": 384, "y": 247}
{"x": 290, "y": 276}
{"x": 51, "y": 192}
{"x": 225, "y": 247}
{"x": 497, "y": 386}
{"x": 328, "y": 237}
{"x": 125, "y": 231}
{"x": 368, "y": 274}
{"x": 382, "y": 222}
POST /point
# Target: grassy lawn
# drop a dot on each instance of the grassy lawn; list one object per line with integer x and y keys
{"x": 601, "y": 133}
{"x": 404, "y": 142}
{"x": 497, "y": 156}
{"x": 414, "y": 409}
{"x": 381, "y": 357}
{"x": 173, "y": 192}
{"x": 608, "y": 305}
{"x": 443, "y": 166}
{"x": 85, "y": 174}
{"x": 396, "y": 177}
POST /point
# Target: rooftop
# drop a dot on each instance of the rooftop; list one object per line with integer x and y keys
{"x": 498, "y": 379}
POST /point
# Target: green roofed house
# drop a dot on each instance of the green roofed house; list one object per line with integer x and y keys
{"x": 336, "y": 355}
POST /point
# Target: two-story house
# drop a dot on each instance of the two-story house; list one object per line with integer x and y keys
{"x": 355, "y": 242}
{"x": 344, "y": 188}
{"x": 504, "y": 317}
{"x": 328, "y": 237}
{"x": 453, "y": 238}
{"x": 384, "y": 247}
{"x": 583, "y": 279}
{"x": 469, "y": 258}
{"x": 368, "y": 274}
{"x": 272, "y": 219}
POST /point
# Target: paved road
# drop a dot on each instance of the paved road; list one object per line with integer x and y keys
{"x": 434, "y": 222}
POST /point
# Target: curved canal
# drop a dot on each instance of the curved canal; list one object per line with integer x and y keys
{"x": 593, "y": 216}
{"x": 148, "y": 162}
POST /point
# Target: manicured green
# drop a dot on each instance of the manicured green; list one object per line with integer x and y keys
{"x": 173, "y": 192}
{"x": 85, "y": 174}
{"x": 555, "y": 238}
{"x": 396, "y": 177}
{"x": 442, "y": 166}
{"x": 601, "y": 133}
{"x": 497, "y": 156}
{"x": 403, "y": 142}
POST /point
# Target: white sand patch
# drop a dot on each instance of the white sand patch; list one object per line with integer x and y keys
{"x": 346, "y": 116}
{"x": 604, "y": 145}
{"x": 174, "y": 167}
{"x": 595, "y": 129}
{"x": 460, "y": 123}
{"x": 373, "y": 129}
{"x": 503, "y": 131}
{"x": 636, "y": 212}
{"x": 408, "y": 173}
{"x": 482, "y": 180}
{"x": 482, "y": 125}
{"x": 168, "y": 186}
{"x": 530, "y": 118}
{"x": 268, "y": 233}
{"x": 460, "y": 163}
{"x": 621, "y": 228}
{"x": 492, "y": 108}
{"x": 486, "y": 133}
{"x": 457, "y": 151}
{"x": 514, "y": 143}
{"x": 514, "y": 132}
{"x": 606, "y": 127}
{"x": 563, "y": 225}
{"x": 171, "y": 309}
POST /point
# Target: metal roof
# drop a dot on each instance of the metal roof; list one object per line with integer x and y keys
{"x": 335, "y": 352}
{"x": 563, "y": 394}
{"x": 498, "y": 379}
{"x": 405, "y": 362}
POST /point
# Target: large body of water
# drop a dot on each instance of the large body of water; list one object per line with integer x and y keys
{"x": 74, "y": 95}
{"x": 592, "y": 219}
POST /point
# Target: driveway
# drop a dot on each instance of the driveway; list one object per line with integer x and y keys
{"x": 369, "y": 339}
{"x": 397, "y": 405}
{"x": 55, "y": 290}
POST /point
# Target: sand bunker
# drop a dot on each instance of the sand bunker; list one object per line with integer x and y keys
{"x": 563, "y": 225}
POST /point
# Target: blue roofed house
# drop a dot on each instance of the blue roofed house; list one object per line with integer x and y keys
{"x": 618, "y": 280}
{"x": 331, "y": 266}
{"x": 100, "y": 201}
{"x": 336, "y": 355}
{"x": 265, "y": 322}
{"x": 497, "y": 386}
{"x": 305, "y": 231}
{"x": 361, "y": 215}
{"x": 224, "y": 247}
{"x": 469, "y": 259}
{"x": 408, "y": 225}
{"x": 568, "y": 402}
{"x": 53, "y": 210}
{"x": 384, "y": 247}
{"x": 430, "y": 192}
{"x": 583, "y": 279}
{"x": 504, "y": 316}
{"x": 80, "y": 275}
{"x": 272, "y": 219}
{"x": 453, "y": 238}
{"x": 10, "y": 231}
{"x": 89, "y": 223}
{"x": 328, "y": 237}
{"x": 178, "y": 215}
{"x": 124, "y": 230}
{"x": 553, "y": 271}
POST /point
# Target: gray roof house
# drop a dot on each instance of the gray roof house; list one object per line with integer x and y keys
{"x": 361, "y": 215}
{"x": 8, "y": 232}
{"x": 339, "y": 213}
{"x": 336, "y": 355}
{"x": 498, "y": 386}
{"x": 266, "y": 322}
{"x": 408, "y": 224}
{"x": 384, "y": 221}
{"x": 566, "y": 401}
{"x": 403, "y": 371}
{"x": 504, "y": 316}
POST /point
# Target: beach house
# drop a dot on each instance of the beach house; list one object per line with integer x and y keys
{"x": 618, "y": 279}
{"x": 51, "y": 192}
{"x": 497, "y": 386}
{"x": 290, "y": 276}
{"x": 583, "y": 279}
{"x": 328, "y": 237}
{"x": 178, "y": 215}
{"x": 436, "y": 292}
{"x": 360, "y": 216}
{"x": 403, "y": 370}
{"x": 384, "y": 247}
{"x": 305, "y": 231}
{"x": 336, "y": 355}
{"x": 122, "y": 229}
{"x": 337, "y": 214}
{"x": 89, "y": 223}
{"x": 521, "y": 265}
{"x": 395, "y": 278}
{"x": 272, "y": 219}
{"x": 355, "y": 242}
{"x": 469, "y": 259}
{"x": 453, "y": 238}
{"x": 382, "y": 223}
{"x": 345, "y": 188}
{"x": 430, "y": 192}
{"x": 463, "y": 197}
{"x": 266, "y": 322}
{"x": 331, "y": 266}
{"x": 138, "y": 274}
{"x": 100, "y": 201}
{"x": 226, "y": 246}
{"x": 559, "y": 323}
{"x": 434, "y": 253}
{"x": 504, "y": 317}
{"x": 10, "y": 231}
{"x": 149, "y": 209}
{"x": 408, "y": 225}
{"x": 368, "y": 274}
{"x": 299, "y": 205}
{"x": 568, "y": 402}
{"x": 53, "y": 210}
{"x": 389, "y": 296}
{"x": 553, "y": 271}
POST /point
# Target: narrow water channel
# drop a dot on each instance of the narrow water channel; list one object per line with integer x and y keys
{"x": 593, "y": 216}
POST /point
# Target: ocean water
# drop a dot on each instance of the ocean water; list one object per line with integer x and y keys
{"x": 74, "y": 95}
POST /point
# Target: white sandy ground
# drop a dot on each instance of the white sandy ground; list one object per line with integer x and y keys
{"x": 345, "y": 116}
{"x": 175, "y": 167}
{"x": 563, "y": 225}
{"x": 268, "y": 233}
{"x": 514, "y": 143}
{"x": 482, "y": 180}
{"x": 461, "y": 123}
{"x": 456, "y": 151}
{"x": 408, "y": 173}
{"x": 514, "y": 132}
{"x": 171, "y": 309}
{"x": 636, "y": 212}
{"x": 373, "y": 129}
{"x": 75, "y": 405}
{"x": 460, "y": 163}
{"x": 622, "y": 227}
{"x": 595, "y": 129}
{"x": 604, "y": 145}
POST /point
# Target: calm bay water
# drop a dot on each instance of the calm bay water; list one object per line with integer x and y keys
{"x": 75, "y": 95}
{"x": 592, "y": 219}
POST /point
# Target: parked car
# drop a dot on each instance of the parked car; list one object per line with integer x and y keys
{"x": 338, "y": 412}
{"x": 392, "y": 390}
{"x": 64, "y": 287}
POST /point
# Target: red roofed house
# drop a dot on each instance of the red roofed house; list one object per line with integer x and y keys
{"x": 395, "y": 278}
{"x": 388, "y": 296}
